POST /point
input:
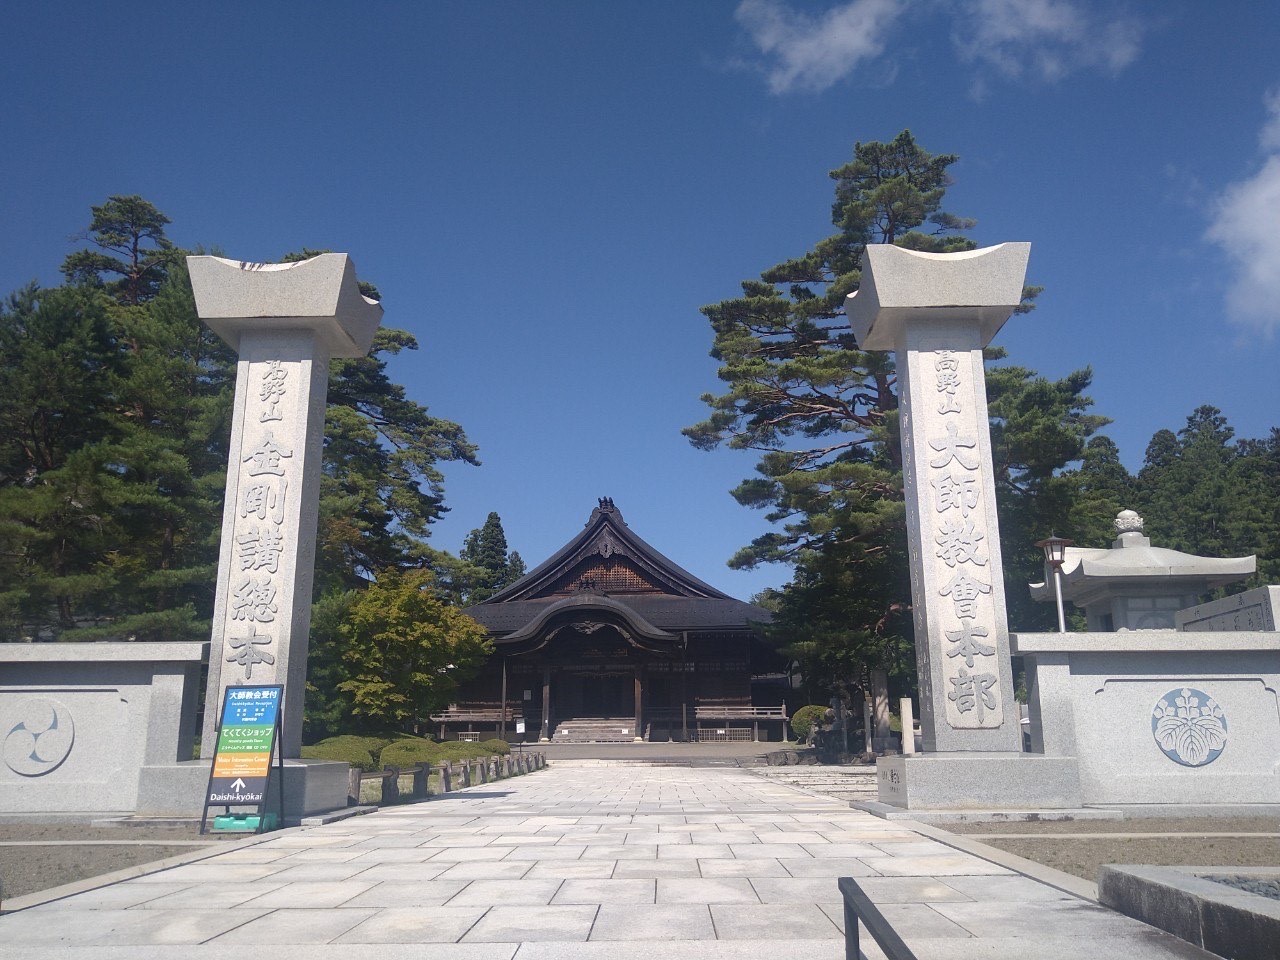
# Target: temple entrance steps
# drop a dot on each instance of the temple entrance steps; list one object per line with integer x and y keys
{"x": 595, "y": 730}
{"x": 841, "y": 783}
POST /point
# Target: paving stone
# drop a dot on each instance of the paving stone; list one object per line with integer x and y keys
{"x": 487, "y": 870}
{"x": 652, "y": 869}
{"x": 797, "y": 889}
{"x": 204, "y": 896}
{"x": 781, "y": 921}
{"x": 399, "y": 871}
{"x": 66, "y": 928}
{"x": 605, "y": 891}
{"x": 915, "y": 889}
{"x": 295, "y": 927}
{"x": 408, "y": 893}
{"x": 701, "y": 890}
{"x": 742, "y": 868}
{"x": 1035, "y": 918}
{"x": 438, "y": 925}
{"x": 575, "y": 869}
{"x": 305, "y": 894}
{"x": 824, "y": 867}
{"x": 955, "y": 866}
{"x": 489, "y": 892}
{"x": 525, "y": 924}
{"x": 1004, "y": 888}
{"x": 620, "y": 851}
{"x": 662, "y": 921}
{"x": 695, "y": 851}
{"x": 754, "y": 851}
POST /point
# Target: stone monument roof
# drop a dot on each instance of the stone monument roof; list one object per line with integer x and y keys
{"x": 1131, "y": 559}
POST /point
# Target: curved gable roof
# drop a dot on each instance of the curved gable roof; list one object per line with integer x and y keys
{"x": 605, "y": 535}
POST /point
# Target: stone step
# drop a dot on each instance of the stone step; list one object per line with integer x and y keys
{"x": 595, "y": 730}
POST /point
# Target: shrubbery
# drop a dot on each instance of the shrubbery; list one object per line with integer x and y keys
{"x": 362, "y": 752}
{"x": 803, "y": 720}
{"x": 374, "y": 753}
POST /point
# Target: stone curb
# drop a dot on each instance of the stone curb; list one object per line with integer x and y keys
{"x": 1057, "y": 879}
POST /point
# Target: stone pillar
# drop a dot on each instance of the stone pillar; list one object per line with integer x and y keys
{"x": 937, "y": 312}
{"x": 880, "y": 704}
{"x": 286, "y": 321}
{"x": 545, "y": 735}
{"x": 639, "y": 693}
{"x": 907, "y": 715}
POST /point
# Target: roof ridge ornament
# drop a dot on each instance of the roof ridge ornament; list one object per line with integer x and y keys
{"x": 1127, "y": 520}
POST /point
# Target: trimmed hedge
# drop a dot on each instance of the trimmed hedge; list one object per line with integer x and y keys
{"x": 374, "y": 753}
{"x": 802, "y": 720}
{"x": 358, "y": 751}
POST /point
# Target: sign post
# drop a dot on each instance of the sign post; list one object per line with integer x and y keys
{"x": 248, "y": 736}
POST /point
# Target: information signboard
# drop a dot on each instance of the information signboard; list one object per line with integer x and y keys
{"x": 247, "y": 735}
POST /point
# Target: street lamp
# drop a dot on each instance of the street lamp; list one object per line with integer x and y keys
{"x": 1055, "y": 552}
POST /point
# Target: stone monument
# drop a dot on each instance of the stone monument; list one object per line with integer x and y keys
{"x": 285, "y": 320}
{"x": 937, "y": 312}
{"x": 1134, "y": 586}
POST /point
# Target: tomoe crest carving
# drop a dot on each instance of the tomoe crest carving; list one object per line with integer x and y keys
{"x": 1189, "y": 727}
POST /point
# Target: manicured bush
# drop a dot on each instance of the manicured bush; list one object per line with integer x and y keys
{"x": 802, "y": 720}
{"x": 358, "y": 751}
{"x": 495, "y": 746}
{"x": 411, "y": 750}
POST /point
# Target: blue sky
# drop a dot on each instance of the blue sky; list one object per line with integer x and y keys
{"x": 545, "y": 193}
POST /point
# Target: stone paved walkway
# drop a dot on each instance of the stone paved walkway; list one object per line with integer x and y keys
{"x": 573, "y": 862}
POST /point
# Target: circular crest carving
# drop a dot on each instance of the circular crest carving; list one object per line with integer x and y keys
{"x": 1189, "y": 727}
{"x": 40, "y": 737}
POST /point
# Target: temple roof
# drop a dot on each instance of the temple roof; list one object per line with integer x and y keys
{"x": 607, "y": 566}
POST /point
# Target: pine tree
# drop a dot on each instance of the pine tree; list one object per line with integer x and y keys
{"x": 822, "y": 414}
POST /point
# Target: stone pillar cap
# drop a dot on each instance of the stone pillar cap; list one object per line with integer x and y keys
{"x": 899, "y": 285}
{"x": 319, "y": 294}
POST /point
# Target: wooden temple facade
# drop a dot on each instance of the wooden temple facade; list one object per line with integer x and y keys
{"x": 608, "y": 640}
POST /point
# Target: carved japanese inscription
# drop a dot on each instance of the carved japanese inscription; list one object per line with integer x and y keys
{"x": 259, "y": 539}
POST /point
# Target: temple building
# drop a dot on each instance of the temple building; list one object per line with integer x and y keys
{"x": 609, "y": 640}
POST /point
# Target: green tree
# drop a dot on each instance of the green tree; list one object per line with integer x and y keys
{"x": 132, "y": 248}
{"x": 822, "y": 414}
{"x": 1201, "y": 492}
{"x": 116, "y": 407}
{"x": 485, "y": 550}
{"x": 406, "y": 651}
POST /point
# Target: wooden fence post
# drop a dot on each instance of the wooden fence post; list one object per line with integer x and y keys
{"x": 420, "y": 774}
{"x": 466, "y": 773}
{"x": 484, "y": 769}
{"x": 446, "y": 777}
{"x": 353, "y": 786}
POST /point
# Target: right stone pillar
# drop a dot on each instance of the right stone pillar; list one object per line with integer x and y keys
{"x": 937, "y": 312}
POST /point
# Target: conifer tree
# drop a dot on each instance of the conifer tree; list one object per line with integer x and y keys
{"x": 822, "y": 414}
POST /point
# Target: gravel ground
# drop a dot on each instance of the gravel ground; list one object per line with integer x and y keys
{"x": 68, "y": 852}
{"x": 1060, "y": 844}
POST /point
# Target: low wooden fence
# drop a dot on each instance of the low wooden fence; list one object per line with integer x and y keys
{"x": 452, "y": 775}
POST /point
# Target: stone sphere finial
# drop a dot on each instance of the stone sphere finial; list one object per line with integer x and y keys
{"x": 1128, "y": 521}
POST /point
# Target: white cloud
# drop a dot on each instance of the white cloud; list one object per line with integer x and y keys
{"x": 1041, "y": 39}
{"x": 813, "y": 53}
{"x": 1246, "y": 225}
{"x": 1046, "y": 39}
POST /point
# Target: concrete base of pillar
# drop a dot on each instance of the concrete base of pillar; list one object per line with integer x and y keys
{"x": 311, "y": 787}
{"x": 978, "y": 781}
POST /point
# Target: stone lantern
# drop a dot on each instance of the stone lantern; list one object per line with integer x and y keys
{"x": 1132, "y": 585}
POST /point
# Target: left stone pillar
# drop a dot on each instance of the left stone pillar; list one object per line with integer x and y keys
{"x": 285, "y": 320}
